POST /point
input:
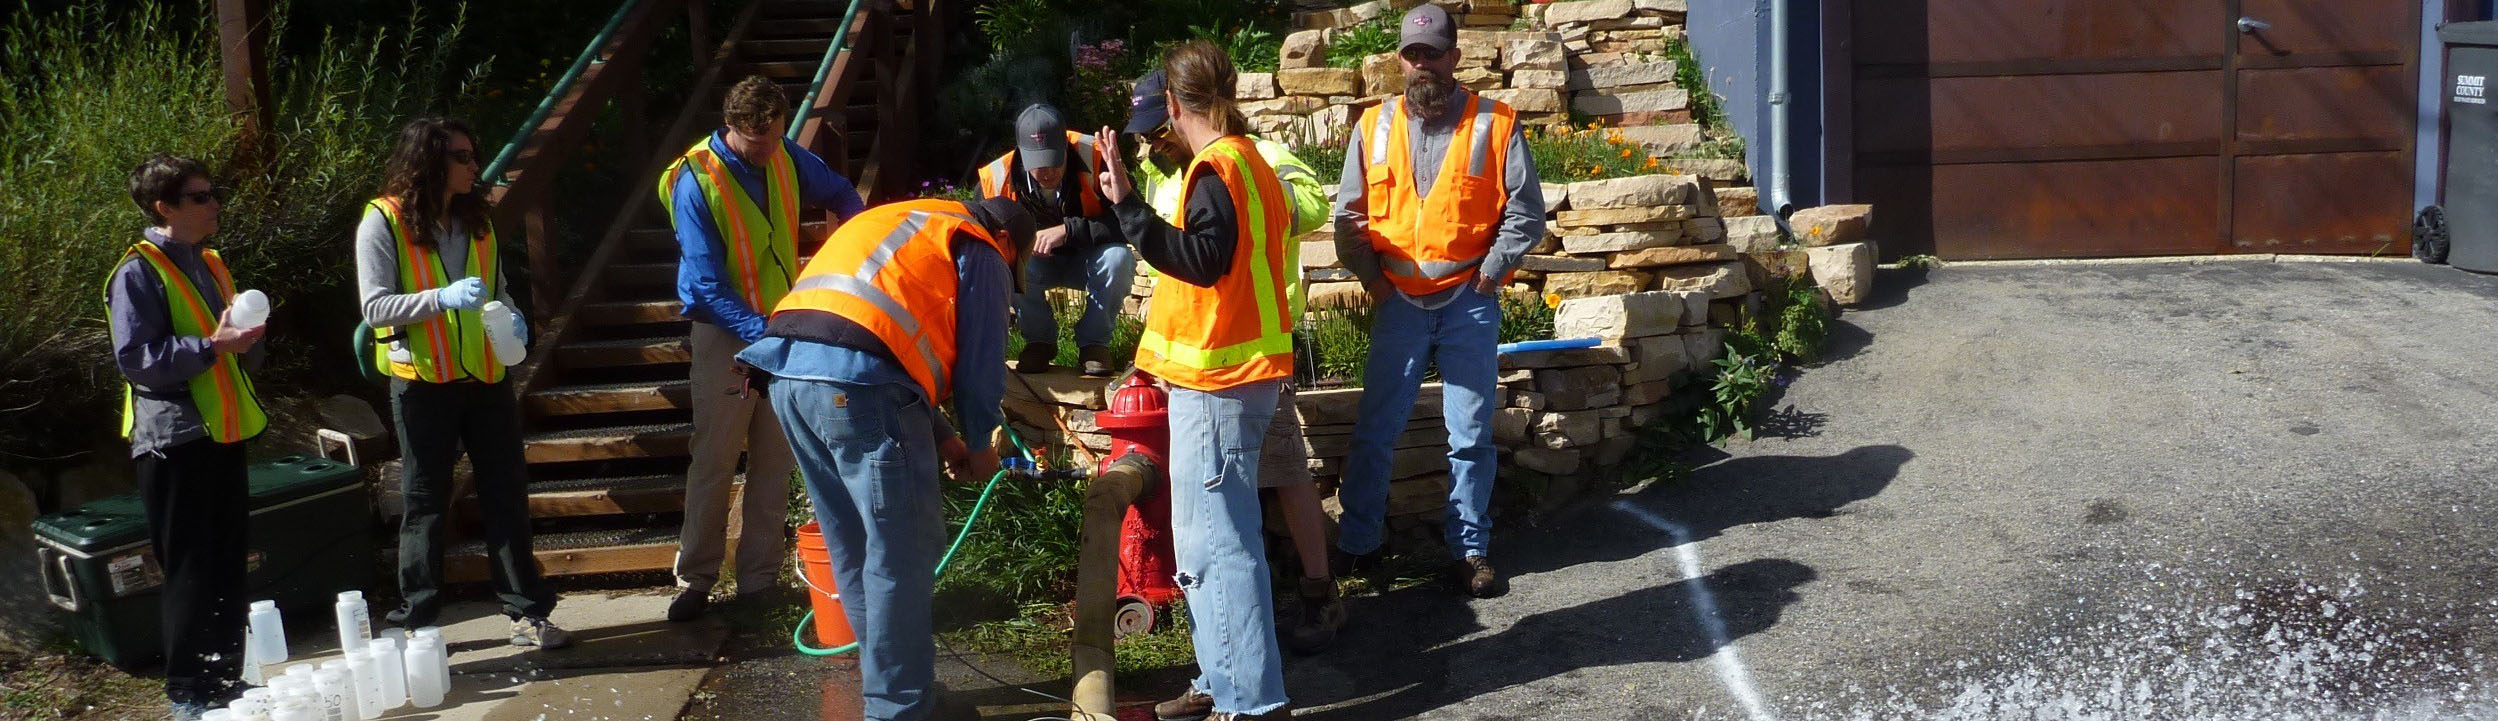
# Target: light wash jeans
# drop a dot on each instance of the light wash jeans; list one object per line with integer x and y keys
{"x": 869, "y": 456}
{"x": 1104, "y": 272}
{"x": 1462, "y": 337}
{"x": 1218, "y": 532}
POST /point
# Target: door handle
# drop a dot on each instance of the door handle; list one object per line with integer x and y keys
{"x": 2249, "y": 25}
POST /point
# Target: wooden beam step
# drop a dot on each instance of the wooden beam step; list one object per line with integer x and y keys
{"x": 611, "y": 398}
{"x": 626, "y": 352}
{"x": 599, "y": 444}
{"x": 576, "y": 553}
{"x": 607, "y": 496}
{"x": 630, "y": 312}
{"x": 784, "y": 48}
{"x": 638, "y": 276}
{"x": 801, "y": 70}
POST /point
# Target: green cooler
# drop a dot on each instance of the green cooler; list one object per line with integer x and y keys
{"x": 311, "y": 536}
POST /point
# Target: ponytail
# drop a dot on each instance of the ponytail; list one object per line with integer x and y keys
{"x": 1202, "y": 80}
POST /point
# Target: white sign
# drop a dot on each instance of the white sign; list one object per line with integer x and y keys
{"x": 2472, "y": 89}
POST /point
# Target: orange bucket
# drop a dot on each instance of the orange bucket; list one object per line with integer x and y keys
{"x": 815, "y": 565}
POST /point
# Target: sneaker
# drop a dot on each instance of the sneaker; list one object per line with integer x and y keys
{"x": 188, "y": 711}
{"x": 1098, "y": 362}
{"x": 689, "y": 604}
{"x": 1035, "y": 357}
{"x": 1341, "y": 564}
{"x": 1321, "y": 614}
{"x": 538, "y": 633}
{"x": 1190, "y": 706}
{"x": 1475, "y": 574}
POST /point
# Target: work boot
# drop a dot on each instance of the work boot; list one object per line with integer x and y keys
{"x": 689, "y": 604}
{"x": 1341, "y": 564}
{"x": 537, "y": 632}
{"x": 1035, "y": 357}
{"x": 1321, "y": 614}
{"x": 1475, "y": 574}
{"x": 1190, "y": 706}
{"x": 1097, "y": 361}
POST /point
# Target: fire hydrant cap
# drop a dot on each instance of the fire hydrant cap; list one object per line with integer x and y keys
{"x": 1137, "y": 404}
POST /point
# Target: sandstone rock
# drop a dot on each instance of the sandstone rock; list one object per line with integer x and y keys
{"x": 352, "y": 416}
{"x": 1648, "y": 415}
{"x": 1528, "y": 400}
{"x": 1381, "y": 74}
{"x": 1320, "y": 81}
{"x": 1788, "y": 263}
{"x": 1705, "y": 230}
{"x": 1619, "y": 242}
{"x": 1339, "y": 406}
{"x": 1602, "y": 77}
{"x": 1752, "y": 233}
{"x": 1328, "y": 275}
{"x": 1675, "y": 255}
{"x": 1305, "y": 49}
{"x": 1669, "y": 8}
{"x": 1588, "y": 285}
{"x": 1561, "y": 264}
{"x": 1831, "y": 224}
{"x": 1479, "y": 48}
{"x": 1338, "y": 295}
{"x": 1614, "y": 450}
{"x": 1258, "y": 86}
{"x": 1544, "y": 460}
{"x": 1568, "y": 429}
{"x": 1549, "y": 245}
{"x": 1634, "y": 22}
{"x": 1587, "y": 11}
{"x": 1518, "y": 380}
{"x": 1846, "y": 271}
{"x": 1618, "y": 216}
{"x": 1366, "y": 12}
{"x": 1581, "y": 388}
{"x": 1663, "y": 140}
{"x": 1658, "y": 356}
{"x": 1726, "y": 170}
{"x": 1704, "y": 346}
{"x": 1293, "y": 105}
{"x": 1641, "y": 191}
{"x": 1425, "y": 494}
{"x": 1539, "y": 80}
{"x": 1730, "y": 312}
{"x": 1535, "y": 53}
{"x": 1566, "y": 357}
{"x": 1738, "y": 201}
{"x": 1619, "y": 316}
{"x": 1615, "y": 103}
{"x": 1528, "y": 99}
{"x": 1556, "y": 197}
{"x": 1510, "y": 425}
{"x": 1718, "y": 280}
{"x": 1476, "y": 79}
{"x": 1319, "y": 254}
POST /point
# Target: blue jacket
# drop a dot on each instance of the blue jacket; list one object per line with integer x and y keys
{"x": 701, "y": 279}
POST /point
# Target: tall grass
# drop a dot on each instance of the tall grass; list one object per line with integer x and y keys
{"x": 92, "y": 92}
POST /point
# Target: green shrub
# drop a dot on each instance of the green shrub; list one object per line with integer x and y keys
{"x": 1023, "y": 549}
{"x": 1339, "y": 342}
{"x": 1068, "y": 308}
{"x": 1802, "y": 322}
{"x": 1252, "y": 50}
{"x": 1351, "y": 45}
{"x": 1324, "y": 159}
{"x": 1572, "y": 153}
{"x": 1525, "y": 316}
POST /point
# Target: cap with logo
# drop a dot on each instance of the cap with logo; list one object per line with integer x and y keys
{"x": 1041, "y": 137}
{"x": 1146, "y": 107}
{"x": 1427, "y": 25}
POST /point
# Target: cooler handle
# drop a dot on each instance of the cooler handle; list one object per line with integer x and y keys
{"x": 58, "y": 582}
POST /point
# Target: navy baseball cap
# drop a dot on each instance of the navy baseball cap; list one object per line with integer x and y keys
{"x": 1146, "y": 108}
{"x": 1041, "y": 137}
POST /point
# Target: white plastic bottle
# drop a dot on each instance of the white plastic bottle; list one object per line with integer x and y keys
{"x": 442, "y": 653}
{"x": 250, "y": 309}
{"x": 393, "y": 670}
{"x": 503, "y": 331}
{"x": 426, "y": 684}
{"x": 368, "y": 680}
{"x": 296, "y": 706}
{"x": 355, "y": 625}
{"x": 338, "y": 693}
{"x": 268, "y": 631}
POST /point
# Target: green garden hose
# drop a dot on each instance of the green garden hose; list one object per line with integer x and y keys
{"x": 798, "y": 635}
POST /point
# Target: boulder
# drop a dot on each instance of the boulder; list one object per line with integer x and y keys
{"x": 1559, "y": 430}
{"x": 1381, "y": 74}
{"x": 1738, "y": 201}
{"x": 1539, "y": 80}
{"x": 1545, "y": 460}
{"x": 1257, "y": 86}
{"x": 1705, "y": 230}
{"x": 1304, "y": 49}
{"x": 1587, "y": 11}
{"x": 1581, "y": 388}
{"x": 1319, "y": 81}
{"x": 1480, "y": 48}
{"x": 1752, "y": 233}
{"x": 1616, "y": 75}
{"x": 1663, "y": 140}
{"x": 1338, "y": 295}
{"x": 1619, "y": 316}
{"x": 1476, "y": 79}
{"x": 1424, "y": 494}
{"x": 1511, "y": 426}
{"x": 1727, "y": 170}
{"x": 1788, "y": 263}
{"x": 1718, "y": 280}
{"x": 1656, "y": 358}
{"x": 1528, "y": 100}
{"x": 1319, "y": 254}
{"x": 1831, "y": 224}
{"x": 1556, "y": 196}
{"x": 352, "y": 416}
{"x": 1846, "y": 271}
{"x": 1528, "y": 400}
{"x": 1641, "y": 101}
{"x": 1581, "y": 216}
{"x": 1599, "y": 283}
{"x": 1566, "y": 357}
{"x": 1641, "y": 191}
{"x": 1542, "y": 53}
{"x": 1703, "y": 346}
{"x": 1339, "y": 406}
{"x": 1290, "y": 105}
{"x": 1621, "y": 241}
{"x": 1561, "y": 264}
{"x": 1675, "y": 255}
{"x": 1668, "y": 8}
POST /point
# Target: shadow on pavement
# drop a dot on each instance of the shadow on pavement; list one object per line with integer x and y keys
{"x": 1714, "y": 497}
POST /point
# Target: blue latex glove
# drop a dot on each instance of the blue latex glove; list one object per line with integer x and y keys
{"x": 463, "y": 294}
{"x": 521, "y": 323}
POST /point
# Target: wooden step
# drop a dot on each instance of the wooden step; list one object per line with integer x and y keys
{"x": 800, "y": 70}
{"x": 575, "y": 553}
{"x": 622, "y": 277}
{"x": 798, "y": 27}
{"x": 607, "y": 496}
{"x": 630, "y": 312}
{"x": 625, "y": 352}
{"x": 785, "y": 48}
{"x": 611, "y": 398}
{"x": 597, "y": 444}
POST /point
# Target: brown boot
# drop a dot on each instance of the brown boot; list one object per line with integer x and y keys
{"x": 1190, "y": 706}
{"x": 1475, "y": 574}
{"x": 1035, "y": 357}
{"x": 1320, "y": 615}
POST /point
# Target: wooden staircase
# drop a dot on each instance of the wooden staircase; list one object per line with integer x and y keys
{"x": 606, "y": 399}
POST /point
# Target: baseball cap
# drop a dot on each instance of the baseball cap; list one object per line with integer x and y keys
{"x": 1429, "y": 25}
{"x": 1041, "y": 137}
{"x": 1146, "y": 108}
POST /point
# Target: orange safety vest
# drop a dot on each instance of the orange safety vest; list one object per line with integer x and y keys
{"x": 761, "y": 237}
{"x": 891, "y": 270}
{"x": 450, "y": 346}
{"x": 1239, "y": 330}
{"x": 996, "y": 178}
{"x": 1430, "y": 244}
{"x": 229, "y": 407}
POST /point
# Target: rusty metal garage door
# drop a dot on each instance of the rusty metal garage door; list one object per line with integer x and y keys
{"x": 2092, "y": 128}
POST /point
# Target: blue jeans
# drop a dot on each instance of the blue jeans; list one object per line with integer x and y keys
{"x": 1104, "y": 272}
{"x": 1218, "y": 533}
{"x": 869, "y": 456}
{"x": 1462, "y": 338}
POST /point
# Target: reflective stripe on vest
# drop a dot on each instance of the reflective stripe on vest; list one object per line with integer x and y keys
{"x": 229, "y": 407}
{"x": 1238, "y": 330}
{"x": 996, "y": 176}
{"x": 1430, "y": 243}
{"x": 891, "y": 270}
{"x": 761, "y": 242}
{"x": 452, "y": 345}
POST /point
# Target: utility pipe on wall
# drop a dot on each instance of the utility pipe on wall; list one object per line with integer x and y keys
{"x": 1781, "y": 145}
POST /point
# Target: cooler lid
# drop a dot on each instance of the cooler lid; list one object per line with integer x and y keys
{"x": 100, "y": 525}
{"x": 290, "y": 478}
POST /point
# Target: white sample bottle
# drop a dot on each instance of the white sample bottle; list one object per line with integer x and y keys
{"x": 338, "y": 693}
{"x": 268, "y": 631}
{"x": 393, "y": 669}
{"x": 217, "y": 714}
{"x": 426, "y": 684}
{"x": 368, "y": 680}
{"x": 355, "y": 625}
{"x": 442, "y": 653}
{"x": 503, "y": 331}
{"x": 295, "y": 706}
{"x": 250, "y": 309}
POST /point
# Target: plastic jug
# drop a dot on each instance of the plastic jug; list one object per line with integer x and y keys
{"x": 393, "y": 670}
{"x": 503, "y": 331}
{"x": 426, "y": 683}
{"x": 250, "y": 309}
{"x": 368, "y": 679}
{"x": 338, "y": 693}
{"x": 355, "y": 625}
{"x": 268, "y": 633}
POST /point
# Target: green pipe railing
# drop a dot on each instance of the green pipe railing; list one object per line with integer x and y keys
{"x": 494, "y": 171}
{"x": 824, "y": 70}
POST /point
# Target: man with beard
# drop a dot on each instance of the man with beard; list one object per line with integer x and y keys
{"x": 1439, "y": 203}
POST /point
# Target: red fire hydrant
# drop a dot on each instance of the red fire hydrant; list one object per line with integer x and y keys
{"x": 1138, "y": 421}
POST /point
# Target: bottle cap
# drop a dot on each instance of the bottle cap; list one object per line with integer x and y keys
{"x": 351, "y": 595}
{"x": 258, "y": 606}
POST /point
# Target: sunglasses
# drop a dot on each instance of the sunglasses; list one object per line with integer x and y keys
{"x": 205, "y": 196}
{"x": 1423, "y": 53}
{"x": 464, "y": 157}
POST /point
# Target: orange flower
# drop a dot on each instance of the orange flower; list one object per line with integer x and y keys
{"x": 1652, "y": 164}
{"x": 1626, "y": 153}
{"x": 1552, "y": 300}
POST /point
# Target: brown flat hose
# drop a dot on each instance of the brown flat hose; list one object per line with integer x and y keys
{"x": 1106, "y": 501}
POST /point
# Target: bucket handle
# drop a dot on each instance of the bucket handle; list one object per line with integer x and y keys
{"x": 802, "y": 577}
{"x": 58, "y": 582}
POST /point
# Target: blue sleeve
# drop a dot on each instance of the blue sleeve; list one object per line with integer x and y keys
{"x": 821, "y": 187}
{"x": 980, "y": 341}
{"x": 145, "y": 345}
{"x": 701, "y": 283}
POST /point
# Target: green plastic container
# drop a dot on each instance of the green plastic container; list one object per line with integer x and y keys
{"x": 311, "y": 536}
